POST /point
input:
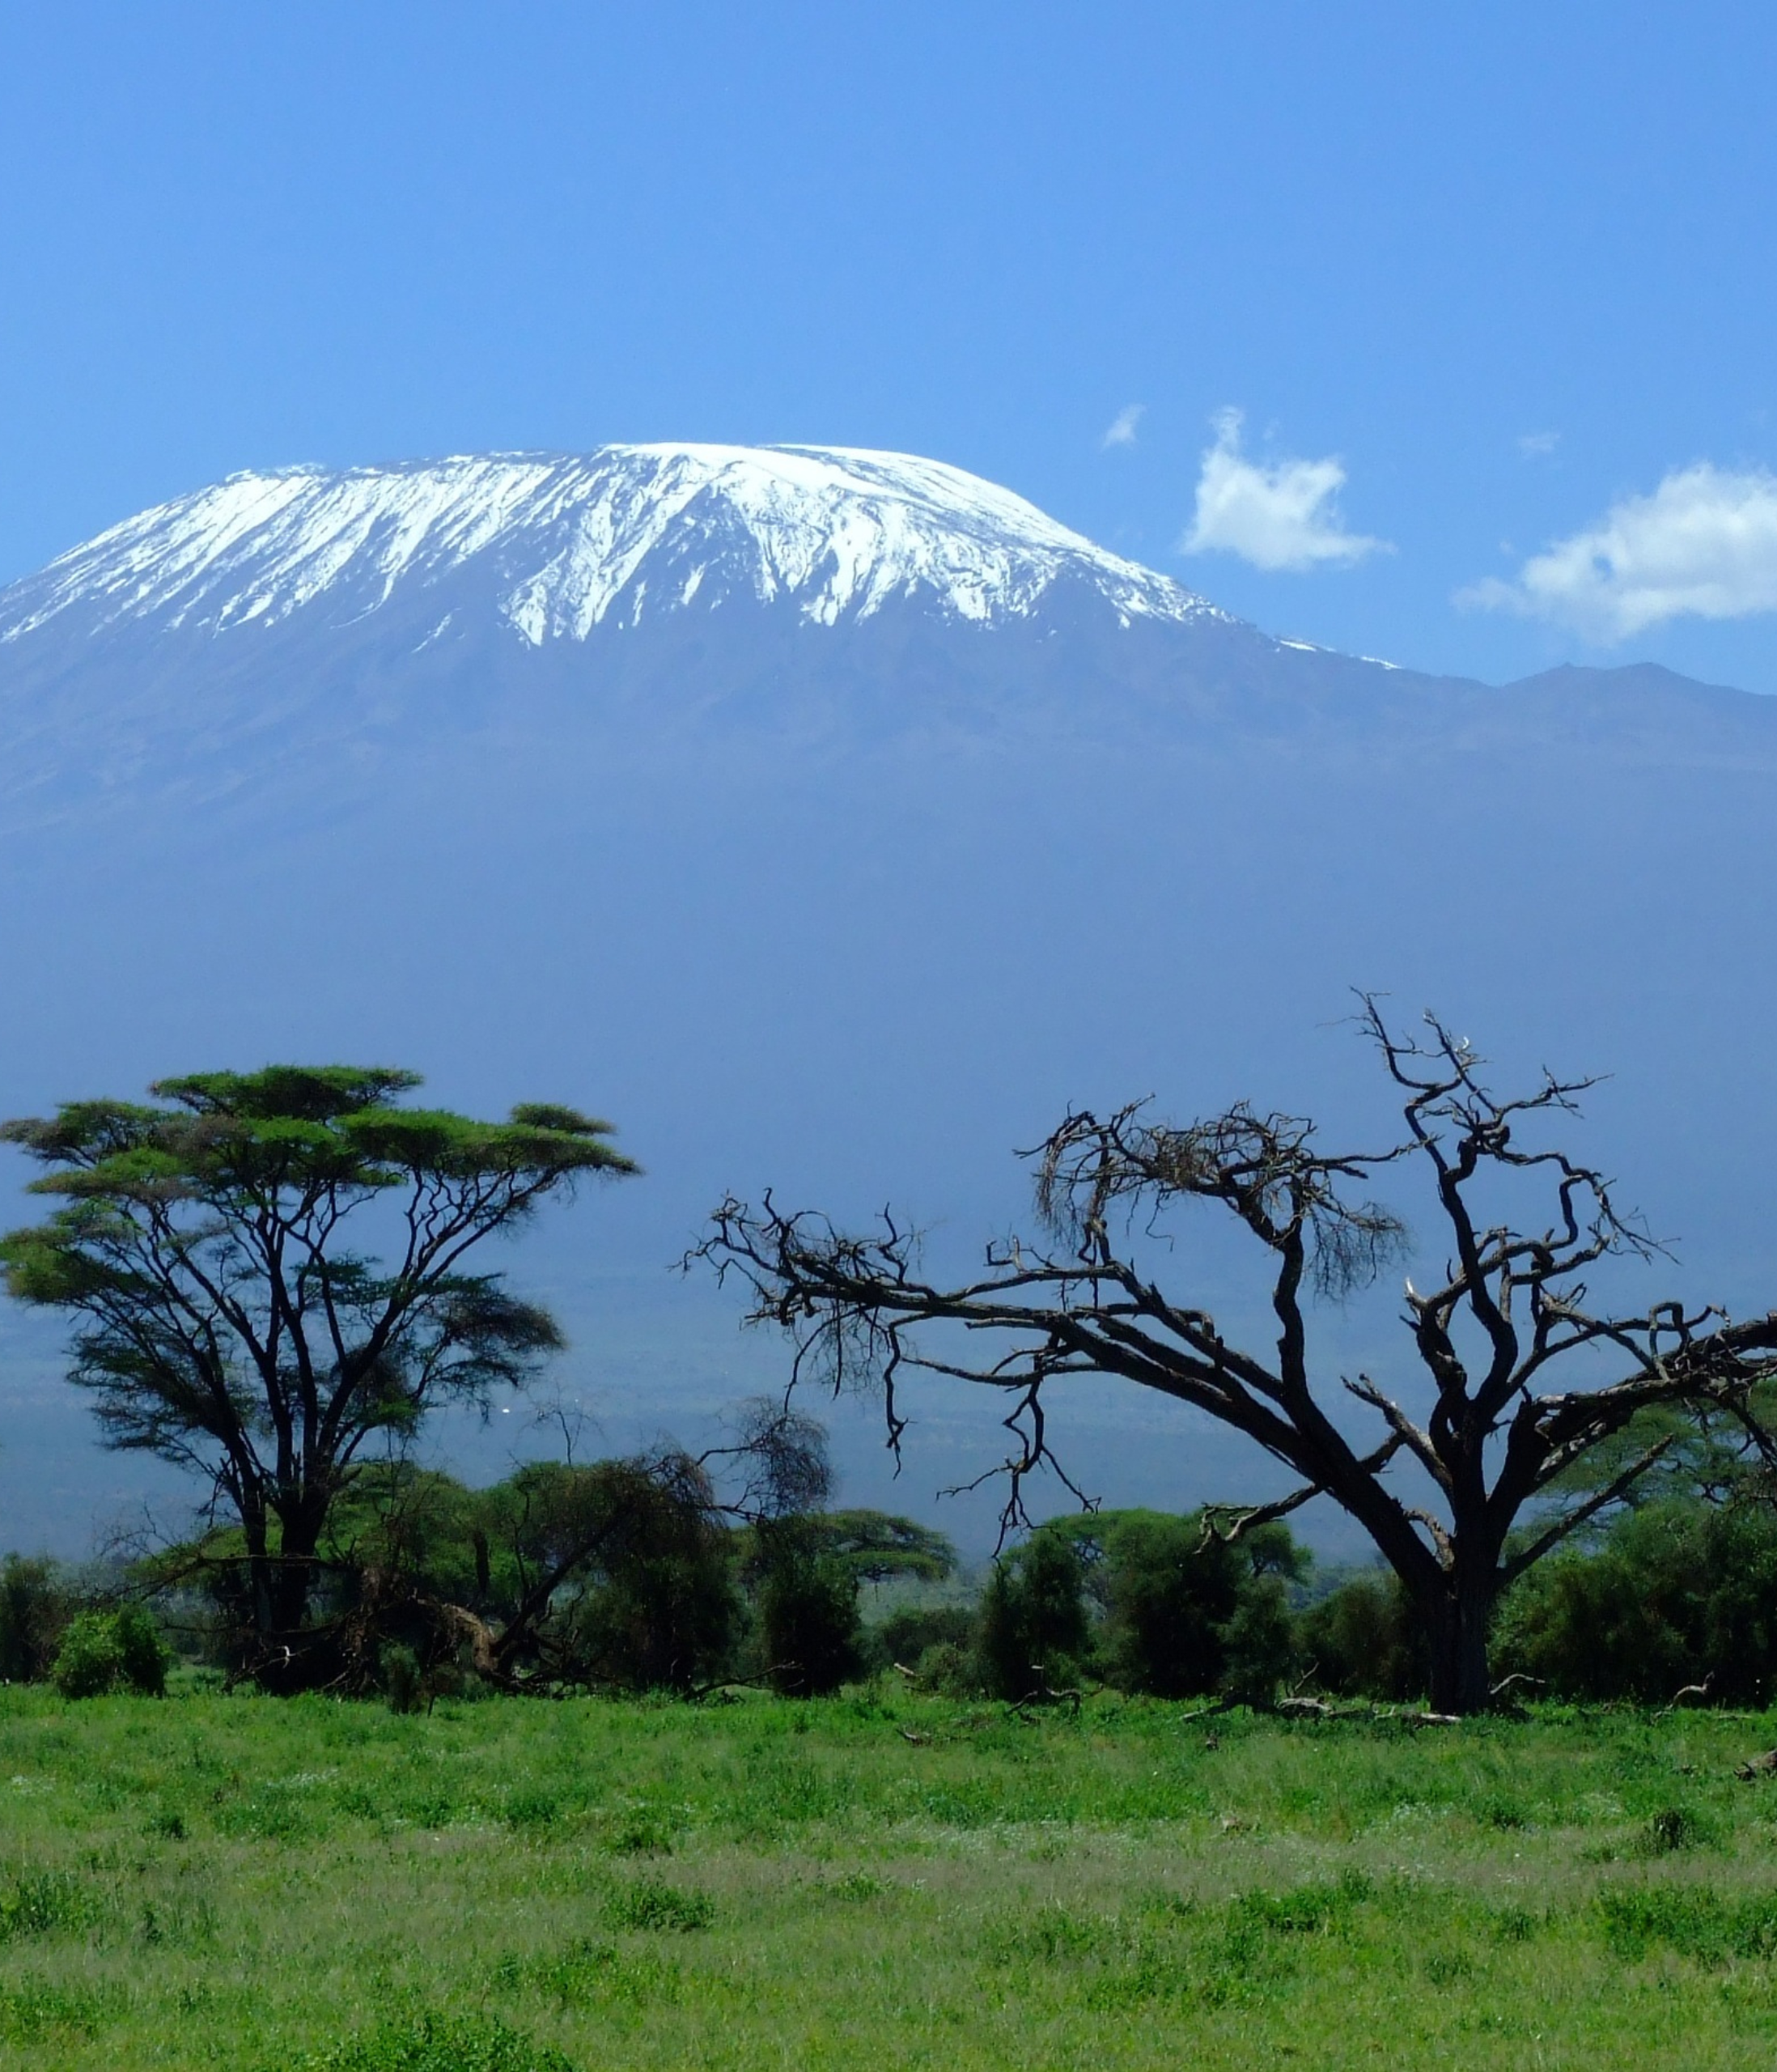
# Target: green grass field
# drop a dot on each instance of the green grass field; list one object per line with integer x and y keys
{"x": 510, "y": 1885}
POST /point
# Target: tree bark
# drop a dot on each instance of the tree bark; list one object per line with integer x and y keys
{"x": 1456, "y": 1629}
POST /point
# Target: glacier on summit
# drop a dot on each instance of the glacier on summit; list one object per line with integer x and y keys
{"x": 572, "y": 542}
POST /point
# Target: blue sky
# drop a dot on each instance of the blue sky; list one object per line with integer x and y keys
{"x": 1490, "y": 289}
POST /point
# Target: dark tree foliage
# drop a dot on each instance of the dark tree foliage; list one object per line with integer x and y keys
{"x": 1259, "y": 1649}
{"x": 878, "y": 1546}
{"x": 605, "y": 1574}
{"x": 911, "y": 1637}
{"x": 36, "y": 1606}
{"x": 619, "y": 1574}
{"x": 1169, "y": 1597}
{"x": 228, "y": 1319}
{"x": 659, "y": 1609}
{"x": 1362, "y": 1640}
{"x": 1674, "y": 1596}
{"x": 808, "y": 1618}
{"x": 803, "y": 1566}
{"x": 1185, "y": 1611}
{"x": 1035, "y": 1631}
{"x": 805, "y": 1574}
{"x": 1504, "y": 1343}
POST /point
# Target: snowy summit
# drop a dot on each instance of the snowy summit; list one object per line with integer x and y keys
{"x": 566, "y": 543}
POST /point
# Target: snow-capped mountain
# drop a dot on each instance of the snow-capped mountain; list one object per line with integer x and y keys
{"x": 567, "y": 543}
{"x": 301, "y": 628}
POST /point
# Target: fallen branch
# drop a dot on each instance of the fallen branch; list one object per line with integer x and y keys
{"x": 700, "y": 1691}
{"x": 1686, "y": 1691}
{"x": 1044, "y": 1696}
{"x": 1517, "y": 1676}
{"x": 1293, "y": 1707}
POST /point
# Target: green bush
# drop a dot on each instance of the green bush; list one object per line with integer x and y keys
{"x": 648, "y": 1903}
{"x": 1362, "y": 1640}
{"x": 34, "y": 1613}
{"x": 145, "y": 1656}
{"x": 1676, "y": 1592}
{"x": 659, "y": 1608}
{"x": 401, "y": 1680}
{"x": 1258, "y": 1644}
{"x": 1169, "y": 1592}
{"x": 807, "y": 1622}
{"x": 90, "y": 1660}
{"x": 105, "y": 1651}
{"x": 949, "y": 1670}
{"x": 911, "y": 1630}
{"x": 1184, "y": 1611}
{"x": 1034, "y": 1627}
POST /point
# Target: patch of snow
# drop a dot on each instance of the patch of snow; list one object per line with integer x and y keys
{"x": 569, "y": 540}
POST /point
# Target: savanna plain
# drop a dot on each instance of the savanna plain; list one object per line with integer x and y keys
{"x": 880, "y": 1879}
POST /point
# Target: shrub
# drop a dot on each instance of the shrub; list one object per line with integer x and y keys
{"x": 1184, "y": 1610}
{"x": 1258, "y": 1644}
{"x": 657, "y": 1625}
{"x": 400, "y": 1679}
{"x": 1674, "y": 1593}
{"x": 105, "y": 1651}
{"x": 1168, "y": 1595}
{"x": 90, "y": 1660}
{"x": 949, "y": 1670}
{"x": 34, "y": 1612}
{"x": 1362, "y": 1640}
{"x": 145, "y": 1656}
{"x": 911, "y": 1630}
{"x": 658, "y": 1610}
{"x": 648, "y": 1903}
{"x": 1033, "y": 1620}
{"x": 807, "y": 1622}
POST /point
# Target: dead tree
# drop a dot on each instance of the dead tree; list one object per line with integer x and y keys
{"x": 1507, "y": 1324}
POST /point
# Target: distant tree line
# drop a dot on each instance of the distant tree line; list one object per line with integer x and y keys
{"x": 1676, "y": 1600}
{"x": 429, "y": 1587}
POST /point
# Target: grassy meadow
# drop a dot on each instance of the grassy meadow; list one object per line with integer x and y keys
{"x": 880, "y": 1881}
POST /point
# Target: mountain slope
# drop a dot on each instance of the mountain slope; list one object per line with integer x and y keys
{"x": 292, "y": 635}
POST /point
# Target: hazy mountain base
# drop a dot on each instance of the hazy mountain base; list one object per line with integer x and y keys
{"x": 874, "y": 1881}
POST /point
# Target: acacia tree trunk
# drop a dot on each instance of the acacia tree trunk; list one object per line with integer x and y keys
{"x": 271, "y": 1603}
{"x": 1457, "y": 1631}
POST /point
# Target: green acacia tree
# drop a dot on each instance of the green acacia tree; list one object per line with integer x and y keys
{"x": 230, "y": 1319}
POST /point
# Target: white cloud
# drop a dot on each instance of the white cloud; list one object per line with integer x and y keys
{"x": 1121, "y": 431}
{"x": 1703, "y": 545}
{"x": 1281, "y": 517}
{"x": 1533, "y": 445}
